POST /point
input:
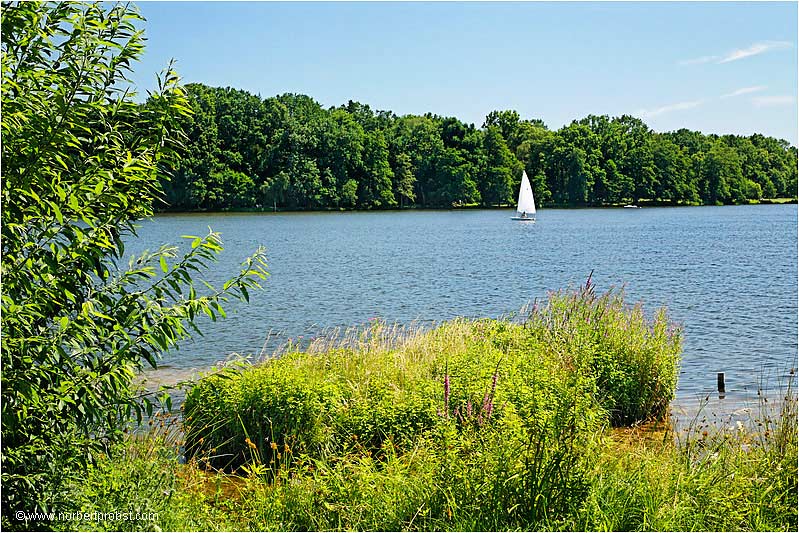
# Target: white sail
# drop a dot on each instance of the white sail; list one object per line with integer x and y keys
{"x": 526, "y": 200}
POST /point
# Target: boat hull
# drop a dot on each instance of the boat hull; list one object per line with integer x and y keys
{"x": 527, "y": 219}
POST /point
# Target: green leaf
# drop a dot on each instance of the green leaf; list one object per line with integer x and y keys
{"x": 57, "y": 213}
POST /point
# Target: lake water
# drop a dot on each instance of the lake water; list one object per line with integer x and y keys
{"x": 728, "y": 274}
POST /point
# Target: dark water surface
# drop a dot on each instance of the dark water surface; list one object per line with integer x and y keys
{"x": 728, "y": 274}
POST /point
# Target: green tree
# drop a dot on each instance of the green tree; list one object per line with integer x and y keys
{"x": 456, "y": 184}
{"x": 533, "y": 153}
{"x": 420, "y": 138}
{"x": 80, "y": 163}
{"x": 300, "y": 155}
{"x": 672, "y": 172}
{"x": 304, "y": 182}
{"x": 349, "y": 193}
{"x": 341, "y": 152}
{"x": 404, "y": 178}
{"x": 508, "y": 123}
{"x": 722, "y": 180}
{"x": 375, "y": 183}
{"x": 185, "y": 187}
{"x": 579, "y": 179}
{"x": 502, "y": 171}
{"x": 227, "y": 189}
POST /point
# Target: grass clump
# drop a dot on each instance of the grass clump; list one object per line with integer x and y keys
{"x": 632, "y": 359}
{"x": 721, "y": 476}
{"x": 399, "y": 383}
{"x": 497, "y": 419}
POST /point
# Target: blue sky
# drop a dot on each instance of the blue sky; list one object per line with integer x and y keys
{"x": 717, "y": 67}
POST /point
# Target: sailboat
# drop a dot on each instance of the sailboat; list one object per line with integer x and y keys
{"x": 525, "y": 210}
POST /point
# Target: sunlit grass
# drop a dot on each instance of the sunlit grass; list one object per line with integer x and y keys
{"x": 714, "y": 477}
{"x": 553, "y": 420}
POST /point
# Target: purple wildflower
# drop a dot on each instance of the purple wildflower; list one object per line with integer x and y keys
{"x": 488, "y": 406}
{"x": 446, "y": 394}
{"x": 488, "y": 403}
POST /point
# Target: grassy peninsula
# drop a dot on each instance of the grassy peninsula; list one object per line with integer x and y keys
{"x": 554, "y": 421}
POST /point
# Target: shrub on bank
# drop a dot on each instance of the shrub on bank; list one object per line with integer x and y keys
{"x": 257, "y": 411}
{"x": 468, "y": 373}
{"x": 632, "y": 359}
{"x": 397, "y": 384}
{"x": 497, "y": 422}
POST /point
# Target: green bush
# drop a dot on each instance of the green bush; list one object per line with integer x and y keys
{"x": 382, "y": 384}
{"x": 634, "y": 360}
{"x": 80, "y": 165}
{"x": 511, "y": 416}
{"x": 502, "y": 418}
{"x": 508, "y": 474}
{"x": 268, "y": 406}
{"x": 301, "y": 402}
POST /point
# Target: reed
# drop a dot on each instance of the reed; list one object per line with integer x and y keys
{"x": 633, "y": 359}
{"x": 714, "y": 475}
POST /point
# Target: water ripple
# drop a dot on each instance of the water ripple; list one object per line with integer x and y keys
{"x": 729, "y": 274}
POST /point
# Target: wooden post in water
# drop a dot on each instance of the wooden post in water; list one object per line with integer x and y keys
{"x": 720, "y": 380}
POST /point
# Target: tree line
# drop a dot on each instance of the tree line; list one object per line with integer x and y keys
{"x": 289, "y": 152}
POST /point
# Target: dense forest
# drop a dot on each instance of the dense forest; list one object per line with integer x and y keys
{"x": 289, "y": 152}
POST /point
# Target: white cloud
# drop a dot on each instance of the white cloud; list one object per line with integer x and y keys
{"x": 699, "y": 60}
{"x": 735, "y": 55}
{"x": 766, "y": 101}
{"x": 679, "y": 106}
{"x": 745, "y": 90}
{"x": 755, "y": 49}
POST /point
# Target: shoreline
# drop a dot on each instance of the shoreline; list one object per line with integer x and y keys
{"x": 684, "y": 409}
{"x": 642, "y": 204}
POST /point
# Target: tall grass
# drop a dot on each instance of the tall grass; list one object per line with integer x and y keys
{"x": 505, "y": 414}
{"x": 718, "y": 476}
{"x": 715, "y": 478}
{"x": 632, "y": 358}
{"x": 141, "y": 485}
{"x": 473, "y": 425}
{"x": 393, "y": 382}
